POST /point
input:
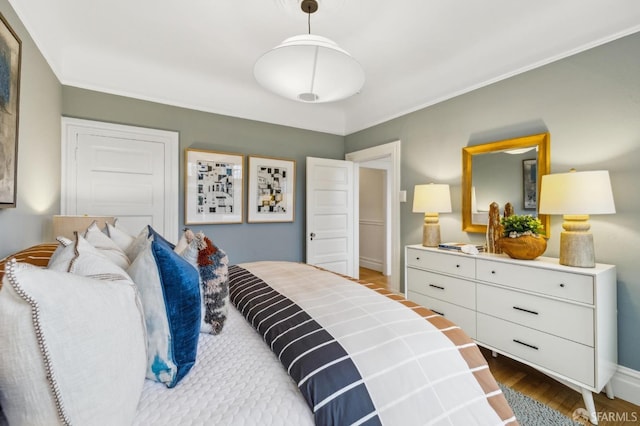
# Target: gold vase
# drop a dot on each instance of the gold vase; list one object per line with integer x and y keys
{"x": 526, "y": 247}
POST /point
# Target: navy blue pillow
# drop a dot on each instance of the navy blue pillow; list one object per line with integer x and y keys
{"x": 157, "y": 237}
{"x": 170, "y": 294}
{"x": 181, "y": 285}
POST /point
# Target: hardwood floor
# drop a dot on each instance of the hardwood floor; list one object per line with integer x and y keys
{"x": 541, "y": 387}
{"x": 375, "y": 277}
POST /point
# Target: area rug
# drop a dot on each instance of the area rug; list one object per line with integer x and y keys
{"x": 530, "y": 412}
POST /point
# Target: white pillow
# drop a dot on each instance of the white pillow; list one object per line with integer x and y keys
{"x": 119, "y": 236}
{"x": 106, "y": 245}
{"x": 82, "y": 258}
{"x": 72, "y": 348}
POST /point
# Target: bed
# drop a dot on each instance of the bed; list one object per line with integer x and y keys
{"x": 300, "y": 345}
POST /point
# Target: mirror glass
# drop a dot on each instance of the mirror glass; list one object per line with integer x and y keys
{"x": 506, "y": 171}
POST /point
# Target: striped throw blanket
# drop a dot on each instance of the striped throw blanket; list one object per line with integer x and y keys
{"x": 363, "y": 355}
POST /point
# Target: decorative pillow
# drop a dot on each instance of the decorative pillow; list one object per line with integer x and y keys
{"x": 38, "y": 255}
{"x": 52, "y": 364}
{"x": 214, "y": 280}
{"x": 119, "y": 236}
{"x": 84, "y": 259}
{"x": 170, "y": 295}
{"x": 212, "y": 265}
{"x": 106, "y": 245}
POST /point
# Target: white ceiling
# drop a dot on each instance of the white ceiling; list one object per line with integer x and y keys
{"x": 200, "y": 53}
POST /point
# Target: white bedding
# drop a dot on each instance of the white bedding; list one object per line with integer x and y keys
{"x": 237, "y": 380}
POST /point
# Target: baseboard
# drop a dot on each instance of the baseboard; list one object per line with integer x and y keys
{"x": 369, "y": 263}
{"x": 626, "y": 384}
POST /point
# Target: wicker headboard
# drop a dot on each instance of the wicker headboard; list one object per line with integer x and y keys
{"x": 38, "y": 255}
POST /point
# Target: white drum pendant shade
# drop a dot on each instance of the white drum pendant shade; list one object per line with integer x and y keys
{"x": 309, "y": 68}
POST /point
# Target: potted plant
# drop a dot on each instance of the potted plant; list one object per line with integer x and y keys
{"x": 522, "y": 237}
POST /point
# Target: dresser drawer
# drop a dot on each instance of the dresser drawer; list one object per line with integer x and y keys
{"x": 463, "y": 317}
{"x": 443, "y": 287}
{"x": 448, "y": 263}
{"x": 562, "y": 319}
{"x": 545, "y": 281}
{"x": 559, "y": 355}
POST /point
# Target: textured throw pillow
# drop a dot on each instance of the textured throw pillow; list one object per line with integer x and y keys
{"x": 214, "y": 280}
{"x": 72, "y": 348}
{"x": 212, "y": 265}
{"x": 170, "y": 294}
{"x": 106, "y": 245}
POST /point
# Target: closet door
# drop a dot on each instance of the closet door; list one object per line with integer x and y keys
{"x": 123, "y": 171}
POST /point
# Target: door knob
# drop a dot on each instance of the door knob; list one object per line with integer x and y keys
{"x": 312, "y": 235}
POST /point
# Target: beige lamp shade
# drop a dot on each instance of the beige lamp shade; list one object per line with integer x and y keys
{"x": 65, "y": 226}
{"x": 576, "y": 195}
{"x": 431, "y": 199}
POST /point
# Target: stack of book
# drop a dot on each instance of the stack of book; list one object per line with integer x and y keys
{"x": 458, "y": 246}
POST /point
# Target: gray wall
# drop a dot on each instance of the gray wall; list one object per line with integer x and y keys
{"x": 242, "y": 242}
{"x": 38, "y": 183}
{"x": 590, "y": 104}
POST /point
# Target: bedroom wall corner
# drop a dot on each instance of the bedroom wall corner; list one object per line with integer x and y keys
{"x": 38, "y": 181}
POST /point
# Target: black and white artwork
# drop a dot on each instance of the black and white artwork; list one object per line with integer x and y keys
{"x": 213, "y": 187}
{"x": 271, "y": 189}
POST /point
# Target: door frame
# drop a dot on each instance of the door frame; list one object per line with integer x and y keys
{"x": 391, "y": 151}
{"x": 72, "y": 127}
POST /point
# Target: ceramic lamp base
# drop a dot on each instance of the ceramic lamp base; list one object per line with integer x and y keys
{"x": 576, "y": 249}
{"x": 431, "y": 235}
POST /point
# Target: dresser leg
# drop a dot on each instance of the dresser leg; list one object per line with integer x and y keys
{"x": 609, "y": 390}
{"x": 587, "y": 396}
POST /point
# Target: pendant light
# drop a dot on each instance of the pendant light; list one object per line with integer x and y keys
{"x": 309, "y": 68}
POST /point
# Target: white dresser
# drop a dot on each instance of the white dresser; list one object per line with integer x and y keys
{"x": 561, "y": 320}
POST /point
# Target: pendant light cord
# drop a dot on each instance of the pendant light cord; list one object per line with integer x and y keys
{"x": 309, "y": 19}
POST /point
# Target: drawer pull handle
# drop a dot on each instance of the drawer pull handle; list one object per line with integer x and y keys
{"x": 436, "y": 286}
{"x": 517, "y": 308}
{"x": 525, "y": 344}
{"x": 493, "y": 272}
{"x": 436, "y": 312}
{"x": 457, "y": 266}
{"x": 562, "y": 285}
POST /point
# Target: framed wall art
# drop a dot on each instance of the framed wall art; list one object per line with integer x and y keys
{"x": 271, "y": 189}
{"x": 530, "y": 184}
{"x": 10, "y": 58}
{"x": 213, "y": 191}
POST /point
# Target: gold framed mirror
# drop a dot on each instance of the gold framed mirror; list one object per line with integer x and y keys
{"x": 504, "y": 171}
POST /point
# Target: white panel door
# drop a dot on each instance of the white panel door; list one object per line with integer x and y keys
{"x": 331, "y": 213}
{"x": 122, "y": 172}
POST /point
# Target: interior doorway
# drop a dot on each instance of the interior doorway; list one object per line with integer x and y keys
{"x": 386, "y": 157}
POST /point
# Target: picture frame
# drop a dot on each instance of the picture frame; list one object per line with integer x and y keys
{"x": 214, "y": 185}
{"x": 530, "y": 184}
{"x": 10, "y": 63}
{"x": 271, "y": 190}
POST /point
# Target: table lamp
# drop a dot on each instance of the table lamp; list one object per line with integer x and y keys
{"x": 576, "y": 195}
{"x": 431, "y": 199}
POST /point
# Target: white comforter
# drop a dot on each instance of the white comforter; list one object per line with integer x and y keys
{"x": 237, "y": 380}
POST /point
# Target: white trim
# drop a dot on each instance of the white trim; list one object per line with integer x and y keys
{"x": 71, "y": 127}
{"x": 626, "y": 384}
{"x": 389, "y": 150}
{"x": 371, "y": 263}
